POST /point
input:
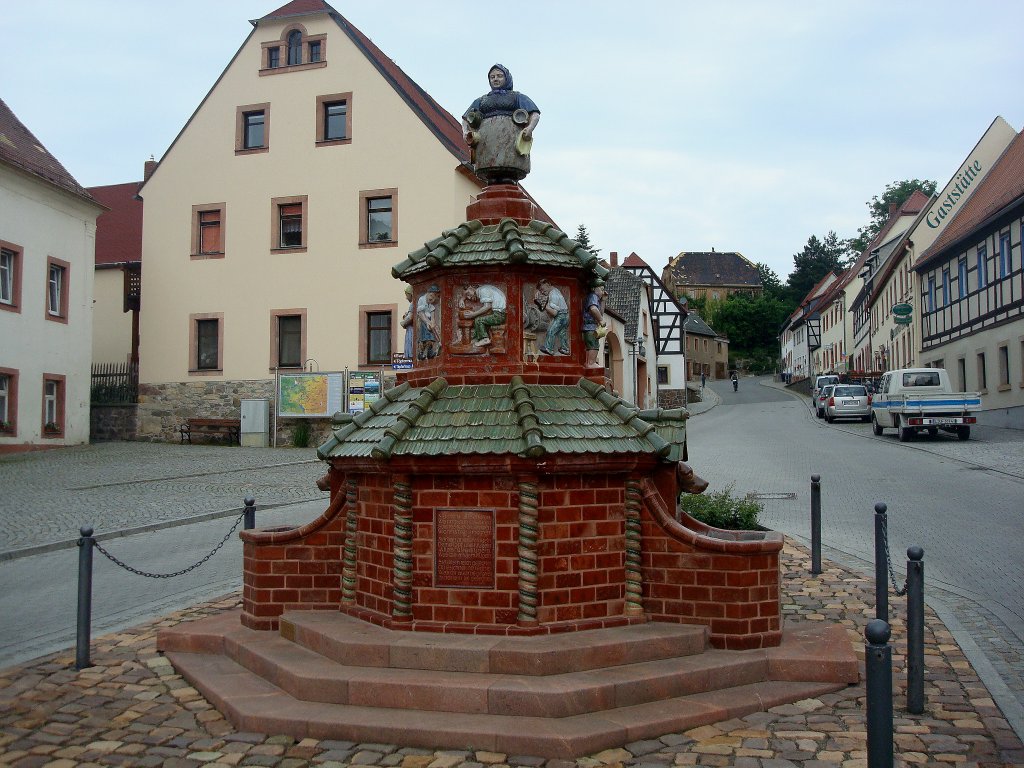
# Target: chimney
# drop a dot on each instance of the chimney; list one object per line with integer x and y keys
{"x": 892, "y": 208}
{"x": 148, "y": 168}
{"x": 614, "y": 256}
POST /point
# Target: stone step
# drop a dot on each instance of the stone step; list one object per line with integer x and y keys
{"x": 350, "y": 641}
{"x": 254, "y": 704}
{"x": 306, "y": 675}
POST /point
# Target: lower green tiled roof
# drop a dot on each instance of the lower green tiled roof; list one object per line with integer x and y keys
{"x": 515, "y": 418}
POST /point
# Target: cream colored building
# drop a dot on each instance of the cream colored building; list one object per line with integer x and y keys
{"x": 47, "y": 242}
{"x": 272, "y": 221}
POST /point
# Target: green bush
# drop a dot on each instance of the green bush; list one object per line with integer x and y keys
{"x": 721, "y": 509}
{"x": 301, "y": 434}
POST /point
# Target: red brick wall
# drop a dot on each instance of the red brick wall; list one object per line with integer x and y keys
{"x": 292, "y": 568}
{"x": 496, "y": 606}
{"x": 581, "y": 549}
{"x": 375, "y": 535}
{"x": 732, "y": 586}
{"x": 729, "y": 584}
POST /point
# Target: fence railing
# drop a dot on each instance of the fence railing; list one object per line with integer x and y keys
{"x": 114, "y": 383}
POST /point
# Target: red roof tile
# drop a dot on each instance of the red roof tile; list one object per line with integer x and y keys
{"x": 299, "y": 7}
{"x": 119, "y": 230}
{"x": 18, "y": 147}
{"x": 1001, "y": 186}
{"x": 634, "y": 261}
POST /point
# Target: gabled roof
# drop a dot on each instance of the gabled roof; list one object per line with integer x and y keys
{"x": 22, "y": 150}
{"x": 1001, "y": 187}
{"x": 530, "y": 420}
{"x": 694, "y": 324}
{"x": 438, "y": 120}
{"x": 507, "y": 242}
{"x": 623, "y": 292}
{"x": 713, "y": 268}
{"x": 119, "y": 229}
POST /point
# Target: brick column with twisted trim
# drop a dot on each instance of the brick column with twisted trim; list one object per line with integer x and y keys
{"x": 528, "y": 532}
{"x": 350, "y": 552}
{"x": 634, "y": 575}
{"x": 401, "y": 606}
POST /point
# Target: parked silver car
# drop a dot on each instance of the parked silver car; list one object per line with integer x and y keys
{"x": 848, "y": 401}
{"x": 821, "y": 398}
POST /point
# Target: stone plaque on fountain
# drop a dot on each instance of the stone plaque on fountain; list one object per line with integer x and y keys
{"x": 464, "y": 548}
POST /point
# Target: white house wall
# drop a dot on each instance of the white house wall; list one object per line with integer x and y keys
{"x": 46, "y": 222}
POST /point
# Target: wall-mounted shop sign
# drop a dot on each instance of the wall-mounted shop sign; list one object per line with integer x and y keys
{"x": 902, "y": 309}
{"x": 945, "y": 207}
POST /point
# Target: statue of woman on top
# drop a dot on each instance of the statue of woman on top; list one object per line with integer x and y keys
{"x": 499, "y": 128}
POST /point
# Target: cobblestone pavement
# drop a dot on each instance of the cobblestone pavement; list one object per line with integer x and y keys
{"x": 48, "y": 495}
{"x": 132, "y": 709}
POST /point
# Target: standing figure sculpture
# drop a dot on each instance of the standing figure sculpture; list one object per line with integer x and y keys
{"x": 593, "y": 321}
{"x": 428, "y": 337}
{"x": 557, "y": 309}
{"x": 499, "y": 128}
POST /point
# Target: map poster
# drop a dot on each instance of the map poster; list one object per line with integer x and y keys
{"x": 309, "y": 395}
{"x": 363, "y": 389}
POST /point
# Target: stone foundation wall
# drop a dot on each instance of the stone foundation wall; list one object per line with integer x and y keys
{"x": 163, "y": 408}
{"x": 112, "y": 422}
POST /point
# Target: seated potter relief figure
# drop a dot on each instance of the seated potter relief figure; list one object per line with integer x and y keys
{"x": 499, "y": 129}
{"x": 488, "y": 313}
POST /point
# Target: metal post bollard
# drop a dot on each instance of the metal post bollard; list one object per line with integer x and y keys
{"x": 878, "y": 673}
{"x": 815, "y": 524}
{"x": 250, "y": 513}
{"x": 915, "y": 630}
{"x": 85, "y": 545}
{"x": 881, "y": 565}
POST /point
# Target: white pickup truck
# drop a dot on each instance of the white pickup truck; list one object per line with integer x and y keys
{"x": 914, "y": 399}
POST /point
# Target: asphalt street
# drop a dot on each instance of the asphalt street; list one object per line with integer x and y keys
{"x": 162, "y": 507}
{"x": 960, "y": 501}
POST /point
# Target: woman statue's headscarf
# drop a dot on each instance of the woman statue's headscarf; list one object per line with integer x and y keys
{"x": 508, "y": 78}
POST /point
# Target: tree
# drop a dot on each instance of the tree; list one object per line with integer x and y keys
{"x": 771, "y": 284}
{"x": 583, "y": 238}
{"x": 896, "y": 194}
{"x": 817, "y": 259}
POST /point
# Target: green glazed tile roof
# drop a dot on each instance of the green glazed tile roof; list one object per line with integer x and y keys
{"x": 515, "y": 418}
{"x": 508, "y": 242}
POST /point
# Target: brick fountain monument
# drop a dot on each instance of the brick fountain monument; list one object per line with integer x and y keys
{"x": 502, "y": 565}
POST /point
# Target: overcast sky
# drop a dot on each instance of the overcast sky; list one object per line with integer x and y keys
{"x": 666, "y": 126}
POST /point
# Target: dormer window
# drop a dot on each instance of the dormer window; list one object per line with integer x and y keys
{"x": 294, "y": 50}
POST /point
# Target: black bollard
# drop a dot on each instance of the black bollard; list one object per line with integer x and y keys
{"x": 878, "y": 673}
{"x": 915, "y": 630}
{"x": 85, "y": 545}
{"x": 881, "y": 565}
{"x": 815, "y": 524}
{"x": 250, "y": 513}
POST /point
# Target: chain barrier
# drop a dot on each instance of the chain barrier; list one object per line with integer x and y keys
{"x": 888, "y": 559}
{"x": 183, "y": 571}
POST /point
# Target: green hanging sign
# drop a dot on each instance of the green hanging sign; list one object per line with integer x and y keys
{"x": 901, "y": 310}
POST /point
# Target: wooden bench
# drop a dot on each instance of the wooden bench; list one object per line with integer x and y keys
{"x": 230, "y": 428}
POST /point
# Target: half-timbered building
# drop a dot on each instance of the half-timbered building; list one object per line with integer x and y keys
{"x": 971, "y": 284}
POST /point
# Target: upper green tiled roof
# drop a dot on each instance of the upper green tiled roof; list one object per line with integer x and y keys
{"x": 508, "y": 242}
{"x": 515, "y": 418}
